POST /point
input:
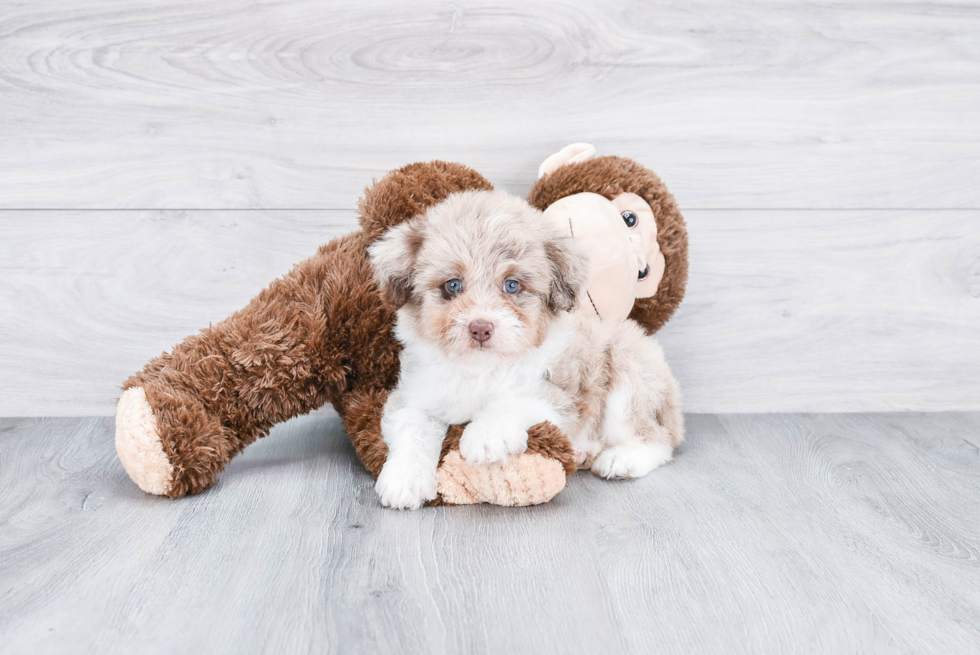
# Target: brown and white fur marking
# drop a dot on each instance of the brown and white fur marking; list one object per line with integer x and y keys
{"x": 485, "y": 290}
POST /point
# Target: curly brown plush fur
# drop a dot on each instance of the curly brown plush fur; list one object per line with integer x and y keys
{"x": 322, "y": 333}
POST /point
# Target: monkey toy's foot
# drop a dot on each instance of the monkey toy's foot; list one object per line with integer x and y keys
{"x": 530, "y": 478}
{"x": 139, "y": 446}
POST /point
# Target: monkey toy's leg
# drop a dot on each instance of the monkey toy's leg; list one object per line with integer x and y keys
{"x": 533, "y": 477}
{"x": 189, "y": 412}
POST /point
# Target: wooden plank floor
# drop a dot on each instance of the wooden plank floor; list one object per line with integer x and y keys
{"x": 769, "y": 533}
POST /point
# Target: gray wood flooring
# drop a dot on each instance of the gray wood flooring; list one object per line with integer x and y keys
{"x": 791, "y": 533}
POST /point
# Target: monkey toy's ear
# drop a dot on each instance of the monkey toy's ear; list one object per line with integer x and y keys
{"x": 410, "y": 190}
{"x": 571, "y": 154}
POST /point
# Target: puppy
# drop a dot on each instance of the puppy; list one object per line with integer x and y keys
{"x": 485, "y": 290}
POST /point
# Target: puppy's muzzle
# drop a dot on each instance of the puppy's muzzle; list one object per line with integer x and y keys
{"x": 481, "y": 331}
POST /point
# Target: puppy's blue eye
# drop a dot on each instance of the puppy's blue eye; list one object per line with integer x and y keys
{"x": 629, "y": 218}
{"x": 512, "y": 286}
{"x": 452, "y": 287}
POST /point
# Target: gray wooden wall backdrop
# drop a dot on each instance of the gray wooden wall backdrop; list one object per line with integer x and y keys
{"x": 161, "y": 162}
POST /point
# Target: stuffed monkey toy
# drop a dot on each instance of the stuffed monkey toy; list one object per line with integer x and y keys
{"x": 322, "y": 333}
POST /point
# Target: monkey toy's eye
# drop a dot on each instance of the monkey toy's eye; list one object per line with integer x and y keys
{"x": 512, "y": 286}
{"x": 629, "y": 218}
{"x": 451, "y": 287}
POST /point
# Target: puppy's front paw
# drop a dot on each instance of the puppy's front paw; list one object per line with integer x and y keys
{"x": 631, "y": 460}
{"x": 405, "y": 484}
{"x": 489, "y": 442}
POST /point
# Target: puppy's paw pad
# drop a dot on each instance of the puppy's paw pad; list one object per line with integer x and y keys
{"x": 630, "y": 461}
{"x": 488, "y": 442}
{"x": 402, "y": 485}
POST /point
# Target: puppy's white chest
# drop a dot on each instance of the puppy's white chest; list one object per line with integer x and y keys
{"x": 455, "y": 393}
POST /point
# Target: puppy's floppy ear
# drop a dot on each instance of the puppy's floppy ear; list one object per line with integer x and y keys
{"x": 569, "y": 274}
{"x": 393, "y": 259}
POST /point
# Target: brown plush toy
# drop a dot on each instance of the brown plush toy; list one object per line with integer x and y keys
{"x": 322, "y": 333}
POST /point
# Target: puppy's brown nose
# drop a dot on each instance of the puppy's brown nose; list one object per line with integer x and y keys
{"x": 481, "y": 330}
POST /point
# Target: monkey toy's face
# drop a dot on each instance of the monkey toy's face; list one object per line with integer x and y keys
{"x": 620, "y": 237}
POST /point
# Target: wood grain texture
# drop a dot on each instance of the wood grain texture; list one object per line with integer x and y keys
{"x": 791, "y": 533}
{"x": 298, "y": 104}
{"x": 785, "y": 311}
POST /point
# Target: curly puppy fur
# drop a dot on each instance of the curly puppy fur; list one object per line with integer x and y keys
{"x": 485, "y": 288}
